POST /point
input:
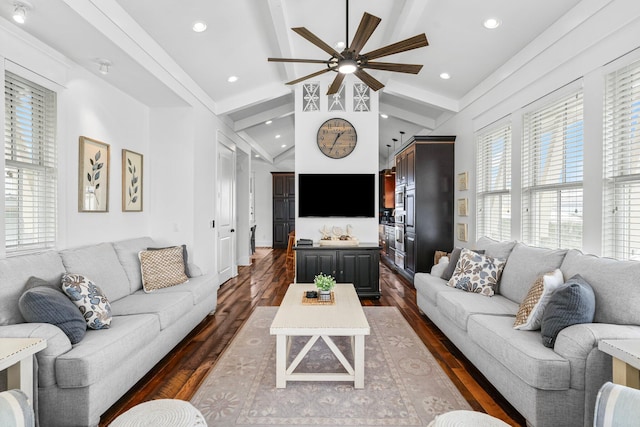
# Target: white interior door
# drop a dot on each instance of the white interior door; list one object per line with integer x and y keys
{"x": 225, "y": 217}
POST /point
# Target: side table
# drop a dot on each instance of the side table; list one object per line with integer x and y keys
{"x": 626, "y": 360}
{"x": 16, "y": 356}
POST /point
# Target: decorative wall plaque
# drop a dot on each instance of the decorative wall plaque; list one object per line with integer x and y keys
{"x": 336, "y": 101}
{"x": 311, "y": 97}
{"x": 361, "y": 97}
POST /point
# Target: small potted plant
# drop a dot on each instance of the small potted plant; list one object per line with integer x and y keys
{"x": 325, "y": 283}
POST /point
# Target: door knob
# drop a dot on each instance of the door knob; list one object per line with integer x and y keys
{"x": 233, "y": 230}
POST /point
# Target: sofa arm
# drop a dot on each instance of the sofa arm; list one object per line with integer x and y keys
{"x": 57, "y": 343}
{"x": 579, "y": 345}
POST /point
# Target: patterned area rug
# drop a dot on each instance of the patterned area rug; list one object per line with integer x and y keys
{"x": 404, "y": 385}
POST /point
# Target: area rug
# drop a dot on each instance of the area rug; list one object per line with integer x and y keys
{"x": 404, "y": 385}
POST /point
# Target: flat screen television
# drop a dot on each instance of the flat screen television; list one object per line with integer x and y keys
{"x": 336, "y": 195}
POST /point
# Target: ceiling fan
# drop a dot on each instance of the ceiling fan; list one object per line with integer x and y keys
{"x": 350, "y": 60}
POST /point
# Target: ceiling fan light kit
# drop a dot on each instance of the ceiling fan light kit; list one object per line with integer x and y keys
{"x": 351, "y": 61}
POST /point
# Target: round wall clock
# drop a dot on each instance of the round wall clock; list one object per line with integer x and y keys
{"x": 337, "y": 138}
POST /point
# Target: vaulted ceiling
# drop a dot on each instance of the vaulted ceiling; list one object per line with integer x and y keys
{"x": 159, "y": 59}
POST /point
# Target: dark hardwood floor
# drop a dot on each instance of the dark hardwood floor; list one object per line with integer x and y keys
{"x": 264, "y": 283}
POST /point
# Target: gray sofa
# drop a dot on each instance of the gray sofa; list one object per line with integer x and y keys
{"x": 548, "y": 386}
{"x": 77, "y": 383}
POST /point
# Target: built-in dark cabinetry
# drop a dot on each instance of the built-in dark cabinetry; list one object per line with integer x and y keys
{"x": 358, "y": 265}
{"x": 427, "y": 163}
{"x": 284, "y": 207}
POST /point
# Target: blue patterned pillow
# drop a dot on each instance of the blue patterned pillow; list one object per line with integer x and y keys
{"x": 477, "y": 273}
{"x": 89, "y": 298}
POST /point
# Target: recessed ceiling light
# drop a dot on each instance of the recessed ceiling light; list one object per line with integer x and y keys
{"x": 268, "y": 122}
{"x": 384, "y": 116}
{"x": 445, "y": 76}
{"x": 277, "y": 136}
{"x": 283, "y": 145}
{"x": 20, "y": 9}
{"x": 257, "y": 155}
{"x": 491, "y": 23}
{"x": 199, "y": 26}
{"x": 232, "y": 79}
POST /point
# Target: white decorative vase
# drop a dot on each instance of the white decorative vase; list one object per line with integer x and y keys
{"x": 324, "y": 295}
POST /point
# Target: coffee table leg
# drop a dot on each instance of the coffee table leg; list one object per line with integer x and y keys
{"x": 281, "y": 361}
{"x": 358, "y": 362}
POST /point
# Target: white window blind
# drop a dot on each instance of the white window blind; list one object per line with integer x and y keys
{"x": 493, "y": 190}
{"x": 552, "y": 170}
{"x": 621, "y": 228}
{"x": 30, "y": 166}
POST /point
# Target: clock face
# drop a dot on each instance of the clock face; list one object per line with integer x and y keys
{"x": 337, "y": 138}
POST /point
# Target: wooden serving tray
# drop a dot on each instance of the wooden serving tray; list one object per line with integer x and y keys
{"x": 317, "y": 301}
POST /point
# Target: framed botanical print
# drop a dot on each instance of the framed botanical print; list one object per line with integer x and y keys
{"x": 93, "y": 176}
{"x": 463, "y": 181}
{"x": 131, "y": 181}
{"x": 463, "y": 207}
{"x": 461, "y": 232}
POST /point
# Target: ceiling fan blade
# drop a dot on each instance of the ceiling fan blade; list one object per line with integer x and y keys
{"x": 367, "y": 26}
{"x": 316, "y": 41}
{"x": 368, "y": 79}
{"x": 317, "y": 73}
{"x": 390, "y": 66}
{"x": 308, "y": 61}
{"x": 401, "y": 46}
{"x": 335, "y": 86}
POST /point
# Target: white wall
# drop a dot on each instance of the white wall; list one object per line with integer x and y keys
{"x": 364, "y": 159}
{"x": 579, "y": 46}
{"x": 90, "y": 107}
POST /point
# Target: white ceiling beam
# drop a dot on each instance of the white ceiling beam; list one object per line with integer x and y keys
{"x": 260, "y": 118}
{"x": 424, "y": 96}
{"x": 408, "y": 116}
{"x": 108, "y": 17}
{"x": 286, "y": 154}
{"x": 256, "y": 147}
{"x": 283, "y": 36}
{"x": 256, "y": 96}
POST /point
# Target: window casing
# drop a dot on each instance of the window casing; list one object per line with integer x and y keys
{"x": 30, "y": 167}
{"x": 493, "y": 190}
{"x": 621, "y": 165}
{"x": 552, "y": 173}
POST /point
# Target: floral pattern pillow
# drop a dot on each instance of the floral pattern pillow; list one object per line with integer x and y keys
{"x": 477, "y": 273}
{"x": 89, "y": 298}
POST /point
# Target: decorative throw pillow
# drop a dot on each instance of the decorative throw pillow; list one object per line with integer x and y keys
{"x": 162, "y": 268}
{"x": 89, "y": 298}
{"x": 572, "y": 303}
{"x": 44, "y": 304}
{"x": 477, "y": 273}
{"x": 440, "y": 267}
{"x": 185, "y": 257}
{"x": 529, "y": 317}
{"x": 453, "y": 261}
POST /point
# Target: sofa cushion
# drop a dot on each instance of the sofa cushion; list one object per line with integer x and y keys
{"x": 162, "y": 268}
{"x": 520, "y": 352}
{"x": 459, "y": 305}
{"x": 101, "y": 352}
{"x": 168, "y": 307}
{"x": 44, "y": 304}
{"x": 199, "y": 287}
{"x": 529, "y": 317}
{"x": 494, "y": 248}
{"x": 14, "y": 273}
{"x": 127, "y": 251}
{"x": 476, "y": 273}
{"x": 101, "y": 264}
{"x": 430, "y": 286}
{"x": 524, "y": 265}
{"x": 570, "y": 304}
{"x": 453, "y": 261}
{"x": 613, "y": 283}
{"x": 89, "y": 298}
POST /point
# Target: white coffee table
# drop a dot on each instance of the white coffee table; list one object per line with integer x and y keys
{"x": 344, "y": 318}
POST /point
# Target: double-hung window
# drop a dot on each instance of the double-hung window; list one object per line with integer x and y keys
{"x": 621, "y": 228}
{"x": 552, "y": 171}
{"x": 30, "y": 174}
{"x": 493, "y": 191}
